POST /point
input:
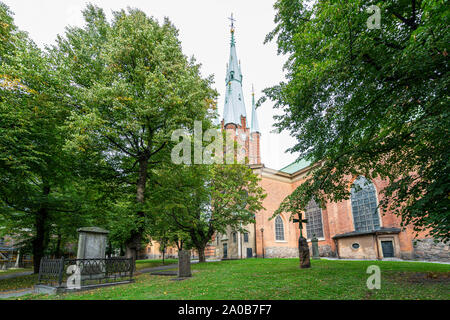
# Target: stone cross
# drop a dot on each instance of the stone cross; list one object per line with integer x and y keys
{"x": 303, "y": 248}
{"x": 300, "y": 223}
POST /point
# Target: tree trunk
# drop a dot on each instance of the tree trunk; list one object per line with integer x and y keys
{"x": 201, "y": 254}
{"x": 58, "y": 247}
{"x": 133, "y": 246}
{"x": 18, "y": 258}
{"x": 41, "y": 231}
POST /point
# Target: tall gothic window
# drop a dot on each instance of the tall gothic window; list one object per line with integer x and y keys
{"x": 314, "y": 216}
{"x": 279, "y": 229}
{"x": 364, "y": 205}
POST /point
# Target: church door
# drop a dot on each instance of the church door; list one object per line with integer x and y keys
{"x": 388, "y": 249}
{"x": 249, "y": 253}
{"x": 225, "y": 251}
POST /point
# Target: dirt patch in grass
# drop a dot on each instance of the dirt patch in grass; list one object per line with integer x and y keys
{"x": 423, "y": 277}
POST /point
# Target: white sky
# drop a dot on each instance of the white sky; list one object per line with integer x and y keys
{"x": 204, "y": 33}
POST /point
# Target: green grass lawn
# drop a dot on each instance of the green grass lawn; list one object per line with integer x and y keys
{"x": 142, "y": 264}
{"x": 282, "y": 279}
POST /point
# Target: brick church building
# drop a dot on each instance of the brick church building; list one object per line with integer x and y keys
{"x": 353, "y": 228}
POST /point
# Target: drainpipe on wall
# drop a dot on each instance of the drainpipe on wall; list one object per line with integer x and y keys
{"x": 375, "y": 237}
{"x": 262, "y": 241}
{"x": 256, "y": 252}
{"x": 337, "y": 248}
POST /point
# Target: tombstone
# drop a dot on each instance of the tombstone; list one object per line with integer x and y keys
{"x": 303, "y": 248}
{"x": 315, "y": 248}
{"x": 303, "y": 253}
{"x": 92, "y": 243}
{"x": 184, "y": 264}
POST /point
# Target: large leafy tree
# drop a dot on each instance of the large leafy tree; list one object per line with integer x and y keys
{"x": 198, "y": 201}
{"x": 131, "y": 87}
{"x": 39, "y": 193}
{"x": 369, "y": 101}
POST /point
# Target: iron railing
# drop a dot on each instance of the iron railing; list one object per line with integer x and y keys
{"x": 92, "y": 272}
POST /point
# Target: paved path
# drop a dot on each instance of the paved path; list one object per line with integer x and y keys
{"x": 15, "y": 293}
{"x": 169, "y": 266}
{"x": 15, "y": 275}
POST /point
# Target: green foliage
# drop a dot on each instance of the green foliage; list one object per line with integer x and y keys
{"x": 194, "y": 202}
{"x": 131, "y": 87}
{"x": 369, "y": 101}
{"x": 40, "y": 192}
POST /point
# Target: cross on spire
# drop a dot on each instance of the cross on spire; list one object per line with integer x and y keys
{"x": 232, "y": 22}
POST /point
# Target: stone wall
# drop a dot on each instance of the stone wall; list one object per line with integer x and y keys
{"x": 289, "y": 252}
{"x": 281, "y": 252}
{"x": 325, "y": 251}
{"x": 427, "y": 249}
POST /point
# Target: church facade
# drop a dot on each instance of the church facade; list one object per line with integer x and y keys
{"x": 352, "y": 229}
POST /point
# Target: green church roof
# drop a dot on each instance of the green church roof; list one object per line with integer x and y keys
{"x": 296, "y": 166}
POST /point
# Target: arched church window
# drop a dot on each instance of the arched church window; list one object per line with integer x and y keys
{"x": 314, "y": 216}
{"x": 364, "y": 205}
{"x": 279, "y": 229}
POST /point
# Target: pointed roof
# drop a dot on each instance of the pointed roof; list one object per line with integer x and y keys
{"x": 255, "y": 123}
{"x": 234, "y": 98}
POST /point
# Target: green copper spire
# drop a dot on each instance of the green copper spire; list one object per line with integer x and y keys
{"x": 255, "y": 124}
{"x": 234, "y": 107}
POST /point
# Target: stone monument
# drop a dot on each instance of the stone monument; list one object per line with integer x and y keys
{"x": 315, "y": 247}
{"x": 303, "y": 253}
{"x": 303, "y": 248}
{"x": 92, "y": 243}
{"x": 184, "y": 264}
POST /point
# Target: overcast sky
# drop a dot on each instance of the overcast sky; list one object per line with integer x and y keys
{"x": 204, "y": 33}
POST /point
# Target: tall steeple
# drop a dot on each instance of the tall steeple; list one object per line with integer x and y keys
{"x": 234, "y": 107}
{"x": 255, "y": 125}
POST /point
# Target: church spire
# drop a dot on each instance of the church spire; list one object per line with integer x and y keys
{"x": 255, "y": 124}
{"x": 234, "y": 107}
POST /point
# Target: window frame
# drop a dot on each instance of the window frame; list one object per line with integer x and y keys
{"x": 279, "y": 219}
{"x": 360, "y": 216}
{"x": 309, "y": 223}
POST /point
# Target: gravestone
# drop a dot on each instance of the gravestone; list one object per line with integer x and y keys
{"x": 303, "y": 253}
{"x": 303, "y": 248}
{"x": 92, "y": 243}
{"x": 315, "y": 248}
{"x": 184, "y": 264}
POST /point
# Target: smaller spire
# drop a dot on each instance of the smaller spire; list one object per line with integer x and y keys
{"x": 255, "y": 124}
